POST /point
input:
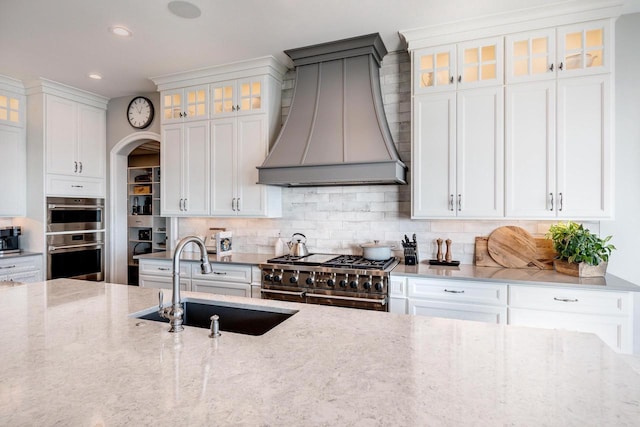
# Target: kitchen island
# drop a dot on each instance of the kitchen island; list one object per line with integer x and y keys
{"x": 72, "y": 355}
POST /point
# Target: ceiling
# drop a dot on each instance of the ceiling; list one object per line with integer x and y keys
{"x": 65, "y": 40}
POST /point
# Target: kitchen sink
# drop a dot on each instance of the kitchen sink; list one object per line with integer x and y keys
{"x": 238, "y": 318}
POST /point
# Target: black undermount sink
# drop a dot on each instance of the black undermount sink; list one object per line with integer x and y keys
{"x": 241, "y": 319}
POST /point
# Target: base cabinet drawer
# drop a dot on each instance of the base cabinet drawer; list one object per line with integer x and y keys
{"x": 449, "y": 310}
{"x": 223, "y": 273}
{"x": 570, "y": 300}
{"x": 615, "y": 331}
{"x": 163, "y": 268}
{"x": 69, "y": 186}
{"x": 221, "y": 288}
{"x": 459, "y": 291}
{"x": 160, "y": 282}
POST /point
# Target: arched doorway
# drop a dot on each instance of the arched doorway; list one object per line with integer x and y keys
{"x": 118, "y": 209}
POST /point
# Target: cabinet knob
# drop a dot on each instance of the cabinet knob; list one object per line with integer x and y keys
{"x": 451, "y": 80}
{"x": 561, "y": 66}
{"x": 551, "y": 67}
{"x": 460, "y": 79}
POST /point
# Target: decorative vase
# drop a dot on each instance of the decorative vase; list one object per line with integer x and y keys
{"x": 581, "y": 269}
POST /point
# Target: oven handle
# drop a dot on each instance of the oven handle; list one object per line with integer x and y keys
{"x": 382, "y": 301}
{"x": 86, "y": 245}
{"x": 273, "y": 291}
{"x": 52, "y": 206}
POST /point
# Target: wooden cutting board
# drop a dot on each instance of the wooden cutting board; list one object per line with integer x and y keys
{"x": 512, "y": 247}
{"x": 544, "y": 253}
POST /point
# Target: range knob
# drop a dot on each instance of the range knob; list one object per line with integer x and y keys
{"x": 379, "y": 286}
{"x": 277, "y": 277}
{"x": 310, "y": 280}
{"x": 268, "y": 277}
{"x": 294, "y": 278}
{"x": 331, "y": 282}
{"x": 367, "y": 285}
{"x": 343, "y": 283}
{"x": 354, "y": 284}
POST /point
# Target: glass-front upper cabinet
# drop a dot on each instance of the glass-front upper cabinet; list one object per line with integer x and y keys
{"x": 480, "y": 63}
{"x": 584, "y": 48}
{"x": 237, "y": 97}
{"x": 531, "y": 56}
{"x": 185, "y": 104}
{"x": 11, "y": 109}
{"x": 434, "y": 69}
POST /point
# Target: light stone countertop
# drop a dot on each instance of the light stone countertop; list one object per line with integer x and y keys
{"x": 19, "y": 255}
{"x": 71, "y": 355}
{"x": 516, "y": 276}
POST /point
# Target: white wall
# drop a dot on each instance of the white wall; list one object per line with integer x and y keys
{"x": 625, "y": 229}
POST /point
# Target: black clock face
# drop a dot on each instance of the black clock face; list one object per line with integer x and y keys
{"x": 140, "y": 112}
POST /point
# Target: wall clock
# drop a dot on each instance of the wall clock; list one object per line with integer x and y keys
{"x": 140, "y": 112}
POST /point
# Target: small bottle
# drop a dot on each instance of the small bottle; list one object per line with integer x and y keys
{"x": 280, "y": 247}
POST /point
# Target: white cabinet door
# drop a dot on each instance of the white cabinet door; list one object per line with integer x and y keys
{"x": 238, "y": 97}
{"x": 434, "y": 155}
{"x": 185, "y": 169}
{"x": 159, "y": 282}
{"x": 171, "y": 167}
{"x": 223, "y": 167}
{"x": 434, "y": 69}
{"x": 585, "y": 49}
{"x": 12, "y": 173}
{"x": 584, "y": 147}
{"x": 480, "y": 153}
{"x": 12, "y": 109}
{"x": 188, "y": 104}
{"x": 530, "y": 144}
{"x": 60, "y": 136}
{"x": 449, "y": 310}
{"x": 91, "y": 142}
{"x": 251, "y": 150}
{"x": 530, "y": 56}
{"x": 480, "y": 63}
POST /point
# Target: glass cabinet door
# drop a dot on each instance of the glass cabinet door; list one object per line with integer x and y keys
{"x": 250, "y": 96}
{"x": 583, "y": 49}
{"x": 480, "y": 63}
{"x": 223, "y": 98}
{"x": 434, "y": 69}
{"x": 196, "y": 102}
{"x": 171, "y": 106}
{"x": 530, "y": 56}
{"x": 11, "y": 109}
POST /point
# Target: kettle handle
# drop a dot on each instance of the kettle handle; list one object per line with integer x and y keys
{"x": 299, "y": 234}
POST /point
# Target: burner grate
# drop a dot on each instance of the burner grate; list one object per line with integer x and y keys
{"x": 357, "y": 261}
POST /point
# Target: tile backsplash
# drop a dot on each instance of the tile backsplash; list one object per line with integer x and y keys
{"x": 339, "y": 219}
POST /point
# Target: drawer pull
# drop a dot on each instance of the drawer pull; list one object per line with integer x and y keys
{"x": 454, "y": 292}
{"x": 219, "y": 273}
{"x": 9, "y": 266}
{"x": 565, "y": 299}
{"x": 164, "y": 268}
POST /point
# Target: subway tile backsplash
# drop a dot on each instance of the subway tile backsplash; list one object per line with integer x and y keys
{"x": 339, "y": 219}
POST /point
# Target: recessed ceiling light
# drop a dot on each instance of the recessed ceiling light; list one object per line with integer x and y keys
{"x": 121, "y": 31}
{"x": 184, "y": 9}
{"x": 95, "y": 76}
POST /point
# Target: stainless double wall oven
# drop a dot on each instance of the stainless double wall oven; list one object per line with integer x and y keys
{"x": 75, "y": 238}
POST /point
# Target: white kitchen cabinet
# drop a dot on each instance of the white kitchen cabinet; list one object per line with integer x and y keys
{"x": 185, "y": 104}
{"x": 558, "y": 164}
{"x": 12, "y": 174}
{"x": 457, "y": 154}
{"x": 158, "y": 274}
{"x": 585, "y": 48}
{"x": 184, "y": 158}
{"x": 608, "y": 314}
{"x": 530, "y": 56}
{"x": 238, "y": 145}
{"x": 75, "y": 136}
{"x": 22, "y": 269}
{"x": 465, "y": 65}
{"x": 12, "y": 106}
{"x": 452, "y": 299}
{"x": 238, "y": 97}
{"x": 225, "y": 279}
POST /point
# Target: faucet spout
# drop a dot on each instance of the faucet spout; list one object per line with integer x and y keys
{"x": 175, "y": 312}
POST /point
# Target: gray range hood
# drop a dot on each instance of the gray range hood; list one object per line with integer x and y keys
{"x": 336, "y": 132}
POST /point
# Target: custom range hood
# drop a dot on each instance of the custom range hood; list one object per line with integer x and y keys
{"x": 336, "y": 132}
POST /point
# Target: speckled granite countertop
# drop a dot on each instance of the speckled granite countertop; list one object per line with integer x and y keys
{"x": 253, "y": 259}
{"x": 516, "y": 276}
{"x": 71, "y": 355}
{"x": 19, "y": 255}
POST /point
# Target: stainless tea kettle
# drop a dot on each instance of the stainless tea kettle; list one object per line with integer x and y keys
{"x": 298, "y": 248}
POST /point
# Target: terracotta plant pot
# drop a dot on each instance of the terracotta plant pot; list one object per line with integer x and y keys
{"x": 580, "y": 269}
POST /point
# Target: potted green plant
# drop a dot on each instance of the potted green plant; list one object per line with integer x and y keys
{"x": 580, "y": 252}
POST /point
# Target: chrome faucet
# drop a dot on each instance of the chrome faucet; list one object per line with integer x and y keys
{"x": 175, "y": 312}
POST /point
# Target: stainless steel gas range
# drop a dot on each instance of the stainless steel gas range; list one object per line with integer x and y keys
{"x": 329, "y": 279}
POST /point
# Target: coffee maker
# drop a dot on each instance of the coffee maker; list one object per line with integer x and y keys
{"x": 9, "y": 243}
